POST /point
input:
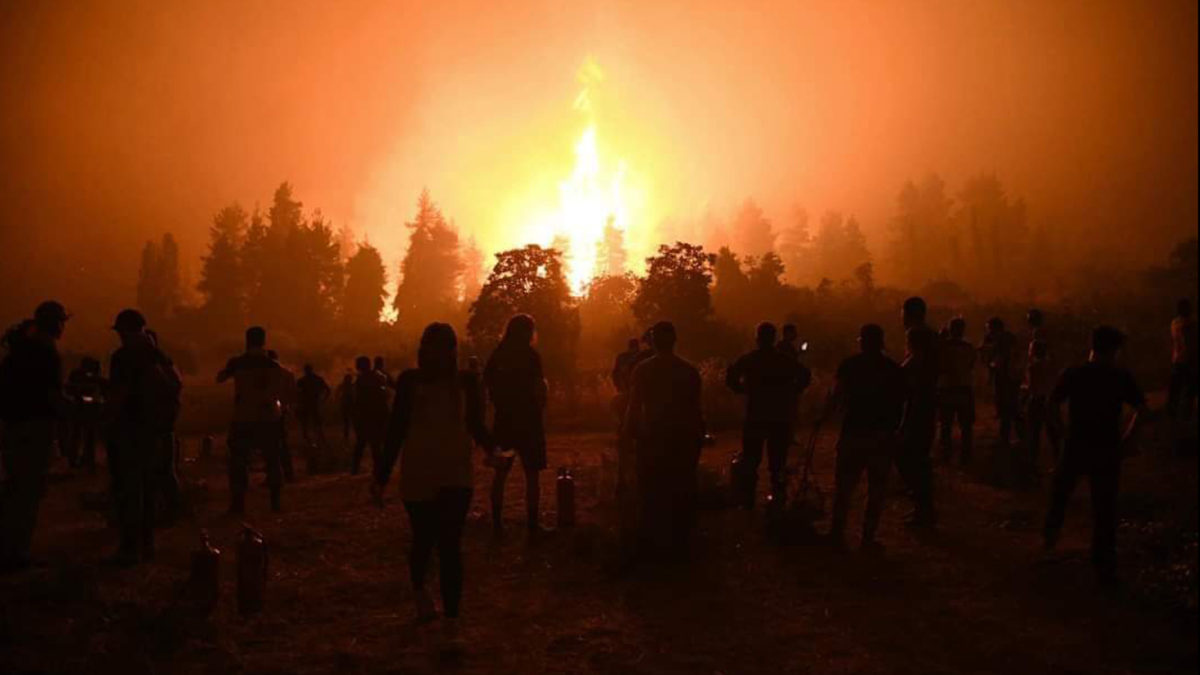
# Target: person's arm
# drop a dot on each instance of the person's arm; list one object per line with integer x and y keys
{"x": 227, "y": 371}
{"x": 735, "y": 376}
{"x": 473, "y": 392}
{"x": 633, "y": 411}
{"x": 1060, "y": 393}
{"x": 397, "y": 430}
{"x": 1141, "y": 414}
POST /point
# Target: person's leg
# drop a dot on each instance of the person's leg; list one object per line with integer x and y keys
{"x": 285, "y": 451}
{"x": 74, "y": 441}
{"x": 240, "y": 444}
{"x": 452, "y": 506}
{"x": 1104, "y": 486}
{"x": 165, "y": 474}
{"x": 422, "y": 518}
{"x": 499, "y": 479}
{"x": 1003, "y": 414}
{"x": 533, "y": 496}
{"x": 89, "y": 447}
{"x": 966, "y": 420}
{"x": 753, "y": 439}
{"x": 1066, "y": 475}
{"x": 272, "y": 450}
{"x": 1035, "y": 420}
{"x": 878, "y": 467}
{"x": 949, "y": 400}
{"x": 360, "y": 444}
{"x": 778, "y": 442}
{"x": 153, "y": 480}
{"x": 850, "y": 461}
{"x": 28, "y": 447}
{"x": 131, "y": 496}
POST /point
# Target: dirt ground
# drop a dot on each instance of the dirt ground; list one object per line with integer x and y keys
{"x": 976, "y": 597}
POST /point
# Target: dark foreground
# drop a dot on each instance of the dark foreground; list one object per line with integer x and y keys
{"x": 974, "y": 598}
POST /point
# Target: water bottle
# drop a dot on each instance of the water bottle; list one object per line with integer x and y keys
{"x": 205, "y": 581}
{"x": 566, "y": 498}
{"x": 252, "y": 571}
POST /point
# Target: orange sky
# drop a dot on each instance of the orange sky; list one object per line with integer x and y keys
{"x": 124, "y": 120}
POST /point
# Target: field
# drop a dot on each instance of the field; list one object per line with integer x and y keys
{"x": 976, "y": 597}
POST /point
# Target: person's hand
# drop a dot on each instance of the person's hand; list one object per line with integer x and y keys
{"x": 377, "y": 494}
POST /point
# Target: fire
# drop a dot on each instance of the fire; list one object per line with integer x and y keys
{"x": 592, "y": 196}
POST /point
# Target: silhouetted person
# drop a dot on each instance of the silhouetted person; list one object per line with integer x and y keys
{"x": 379, "y": 366}
{"x": 345, "y": 396}
{"x": 437, "y": 413}
{"x": 666, "y": 424}
{"x": 622, "y": 371}
{"x": 1182, "y": 395}
{"x": 1095, "y": 445}
{"x": 312, "y": 390}
{"x": 85, "y": 391}
{"x": 772, "y": 382}
{"x": 31, "y": 400}
{"x": 370, "y": 412}
{"x": 517, "y": 390}
{"x": 871, "y": 389}
{"x": 1037, "y": 387}
{"x": 956, "y": 392}
{"x": 166, "y": 463}
{"x": 259, "y": 384}
{"x": 142, "y": 408}
{"x": 922, "y": 366}
{"x": 287, "y": 401}
{"x": 790, "y": 342}
{"x": 999, "y": 350}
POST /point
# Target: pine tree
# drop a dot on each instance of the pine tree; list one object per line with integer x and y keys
{"x": 366, "y": 289}
{"x": 430, "y": 271}
{"x": 221, "y": 277}
{"x": 753, "y": 230}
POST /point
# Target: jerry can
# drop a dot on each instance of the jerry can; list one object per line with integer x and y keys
{"x": 205, "y": 581}
{"x": 251, "y": 571}
{"x": 566, "y": 498}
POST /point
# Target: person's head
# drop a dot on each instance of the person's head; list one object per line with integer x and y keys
{"x": 995, "y": 324}
{"x": 129, "y": 325}
{"x": 870, "y": 338}
{"x": 1035, "y": 318}
{"x": 913, "y": 312}
{"x": 50, "y": 319}
{"x": 958, "y": 327}
{"x": 256, "y": 337}
{"x": 438, "y": 353}
{"x": 378, "y": 363}
{"x": 520, "y": 330}
{"x": 348, "y": 378}
{"x": 308, "y": 369}
{"x": 1183, "y": 308}
{"x": 1106, "y": 342}
{"x": 362, "y": 364}
{"x": 634, "y": 344}
{"x": 790, "y": 334}
{"x": 663, "y": 336}
{"x": 764, "y": 335}
{"x": 1038, "y": 350}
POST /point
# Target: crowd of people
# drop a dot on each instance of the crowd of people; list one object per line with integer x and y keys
{"x": 432, "y": 417}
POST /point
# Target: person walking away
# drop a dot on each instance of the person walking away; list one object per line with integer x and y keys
{"x": 287, "y": 401}
{"x": 437, "y": 414}
{"x": 32, "y": 403}
{"x": 345, "y": 396}
{"x": 772, "y": 382}
{"x": 922, "y": 366}
{"x": 1038, "y": 385}
{"x": 665, "y": 423}
{"x": 142, "y": 409}
{"x": 258, "y": 392}
{"x": 85, "y": 391}
{"x": 870, "y": 388}
{"x": 517, "y": 389}
{"x": 1095, "y": 394}
{"x": 956, "y": 392}
{"x": 312, "y": 392}
{"x": 999, "y": 351}
{"x": 1181, "y": 398}
{"x": 370, "y": 412}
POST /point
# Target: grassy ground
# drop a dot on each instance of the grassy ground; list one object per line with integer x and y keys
{"x": 973, "y": 598}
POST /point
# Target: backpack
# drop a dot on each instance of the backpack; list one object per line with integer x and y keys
{"x": 160, "y": 387}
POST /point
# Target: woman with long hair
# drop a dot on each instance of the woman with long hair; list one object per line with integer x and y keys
{"x": 437, "y": 413}
{"x": 517, "y": 389}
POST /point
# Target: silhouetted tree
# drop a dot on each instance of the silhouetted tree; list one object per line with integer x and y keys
{"x": 924, "y": 244}
{"x": 610, "y": 252}
{"x": 429, "y": 273}
{"x": 998, "y": 235}
{"x": 158, "y": 287}
{"x": 839, "y": 247}
{"x": 529, "y": 280}
{"x": 474, "y": 271}
{"x": 606, "y": 315}
{"x": 676, "y": 287}
{"x": 795, "y": 248}
{"x": 221, "y": 277}
{"x": 753, "y": 230}
{"x": 731, "y": 287}
{"x": 366, "y": 282}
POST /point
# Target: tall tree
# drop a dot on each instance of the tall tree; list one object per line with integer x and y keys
{"x": 366, "y": 289}
{"x": 924, "y": 243}
{"x": 474, "y": 270}
{"x": 676, "y": 287}
{"x": 752, "y": 230}
{"x": 429, "y": 273}
{"x": 795, "y": 248}
{"x": 998, "y": 233}
{"x": 529, "y": 280}
{"x": 221, "y": 277}
{"x": 158, "y": 291}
